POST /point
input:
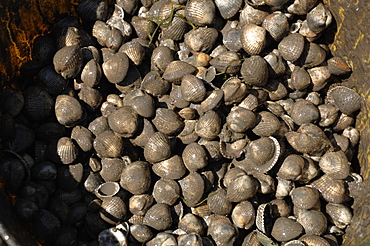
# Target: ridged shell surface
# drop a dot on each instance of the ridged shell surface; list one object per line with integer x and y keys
{"x": 115, "y": 68}
{"x": 291, "y": 47}
{"x": 194, "y": 157}
{"x": 347, "y": 100}
{"x": 200, "y": 13}
{"x": 124, "y": 121}
{"x": 227, "y": 62}
{"x": 171, "y": 168}
{"x": 218, "y": 202}
{"x": 67, "y": 151}
{"x": 332, "y": 190}
{"x": 254, "y": 71}
{"x": 241, "y": 188}
{"x": 176, "y": 70}
{"x": 253, "y": 38}
{"x": 277, "y": 25}
{"x": 83, "y": 137}
{"x": 157, "y": 148}
{"x": 209, "y": 125}
{"x": 192, "y": 88}
{"x": 166, "y": 191}
{"x": 68, "y": 61}
{"x": 111, "y": 169}
{"x": 192, "y": 187}
{"x": 243, "y": 215}
{"x": 134, "y": 51}
{"x": 113, "y": 210}
{"x": 108, "y": 144}
{"x": 201, "y": 39}
{"x": 158, "y": 217}
{"x": 167, "y": 121}
{"x": 228, "y": 8}
{"x": 135, "y": 178}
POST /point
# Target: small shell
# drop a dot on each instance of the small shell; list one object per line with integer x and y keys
{"x": 38, "y": 103}
{"x": 158, "y": 217}
{"x": 264, "y": 218}
{"x": 107, "y": 189}
{"x": 166, "y": 191}
{"x": 212, "y": 101}
{"x": 344, "y": 121}
{"x": 286, "y": 229}
{"x": 68, "y": 61}
{"x": 209, "y": 125}
{"x": 68, "y": 110}
{"x": 115, "y": 67}
{"x": 192, "y": 88}
{"x": 231, "y": 40}
{"x": 243, "y": 215}
{"x": 200, "y": 13}
{"x": 134, "y": 51}
{"x": 277, "y": 25}
{"x": 91, "y": 73}
{"x": 339, "y": 214}
{"x": 44, "y": 48}
{"x": 108, "y": 144}
{"x": 111, "y": 169}
{"x": 304, "y": 197}
{"x": 253, "y": 38}
{"x": 266, "y": 124}
{"x": 143, "y": 26}
{"x": 276, "y": 64}
{"x": 291, "y": 47}
{"x": 222, "y": 231}
{"x": 157, "y": 148}
{"x": 192, "y": 187}
{"x": 176, "y": 70}
{"x": 141, "y": 233}
{"x": 254, "y": 71}
{"x": 176, "y": 99}
{"x": 218, "y": 202}
{"x": 67, "y": 151}
{"x": 292, "y": 167}
{"x": 227, "y": 62}
{"x": 338, "y": 66}
{"x": 99, "y": 125}
{"x": 53, "y": 82}
{"x": 352, "y": 134}
{"x": 347, "y": 100}
{"x": 113, "y": 210}
{"x": 139, "y": 204}
{"x": 300, "y": 79}
{"x": 194, "y": 157}
{"x": 201, "y": 39}
{"x": 251, "y": 15}
{"x": 172, "y": 168}
{"x": 332, "y": 190}
{"x": 135, "y": 178}
{"x": 314, "y": 222}
{"x": 162, "y": 238}
{"x": 234, "y": 90}
{"x": 241, "y": 188}
{"x": 319, "y": 18}
{"x": 240, "y": 119}
{"x": 335, "y": 164}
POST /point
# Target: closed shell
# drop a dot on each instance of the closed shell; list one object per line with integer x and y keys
{"x": 201, "y": 39}
{"x": 335, "y": 164}
{"x": 141, "y": 102}
{"x": 313, "y": 55}
{"x": 190, "y": 223}
{"x": 134, "y": 51}
{"x": 68, "y": 110}
{"x": 240, "y": 119}
{"x": 300, "y": 79}
{"x": 39, "y": 104}
{"x": 192, "y": 187}
{"x": 154, "y": 84}
{"x": 53, "y": 82}
{"x": 304, "y": 197}
{"x": 113, "y": 210}
{"x": 158, "y": 217}
{"x": 234, "y": 90}
{"x": 200, "y": 13}
{"x": 286, "y": 229}
{"x": 177, "y": 28}
{"x": 241, "y": 188}
{"x": 301, "y": 7}
{"x": 277, "y": 25}
{"x": 313, "y": 240}
{"x": 253, "y": 38}
{"x": 332, "y": 190}
{"x": 194, "y": 157}
{"x": 228, "y": 8}
{"x": 251, "y": 15}
{"x": 209, "y": 125}
{"x": 99, "y": 125}
{"x": 222, "y": 231}
{"x": 91, "y": 97}
{"x": 139, "y": 204}
{"x": 218, "y": 202}
{"x": 135, "y": 178}
{"x": 176, "y": 70}
{"x": 347, "y": 100}
{"x": 338, "y": 66}
{"x": 291, "y": 47}
{"x": 67, "y": 151}
{"x": 231, "y": 40}
{"x": 339, "y": 214}
{"x": 313, "y": 221}
{"x": 243, "y": 215}
{"x": 161, "y": 57}
{"x": 68, "y": 61}
{"x": 192, "y": 88}
{"x": 319, "y": 18}
{"x": 157, "y": 148}
{"x": 108, "y": 144}
{"x": 171, "y": 168}
{"x": 292, "y": 167}
{"x": 267, "y": 124}
{"x": 227, "y": 62}
{"x": 304, "y": 112}
{"x": 91, "y": 73}
{"x": 111, "y": 169}
{"x": 254, "y": 71}
{"x": 166, "y": 191}
{"x": 83, "y": 137}
{"x": 115, "y": 67}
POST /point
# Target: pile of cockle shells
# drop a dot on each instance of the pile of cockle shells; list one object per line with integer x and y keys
{"x": 199, "y": 122}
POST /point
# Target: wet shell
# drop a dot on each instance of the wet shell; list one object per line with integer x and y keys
{"x": 108, "y": 144}
{"x": 91, "y": 73}
{"x": 304, "y": 112}
{"x": 338, "y": 66}
{"x": 209, "y": 125}
{"x": 335, "y": 164}
{"x": 124, "y": 121}
{"x": 176, "y": 70}
{"x": 313, "y": 55}
{"x": 347, "y": 100}
{"x": 243, "y": 215}
{"x": 11, "y": 101}
{"x": 222, "y": 231}
{"x": 161, "y": 57}
{"x": 157, "y": 148}
{"x": 113, "y": 210}
{"x": 44, "y": 48}
{"x": 276, "y": 64}
{"x": 286, "y": 229}
{"x": 339, "y": 214}
{"x": 200, "y": 13}
{"x": 314, "y": 222}
{"x": 313, "y": 240}
{"x": 240, "y": 119}
{"x": 112, "y": 169}
{"x": 192, "y": 187}
{"x": 228, "y": 8}
{"x": 68, "y": 61}
{"x": 162, "y": 238}
{"x": 69, "y": 177}
{"x": 194, "y": 157}
{"x": 92, "y": 182}
{"x": 218, "y": 202}
{"x": 158, "y": 217}
{"x": 141, "y": 233}
{"x": 201, "y": 39}
{"x": 319, "y": 18}
{"x": 300, "y": 79}
{"x": 211, "y": 101}
{"x": 38, "y": 103}
{"x": 241, "y": 188}
{"x": 68, "y": 110}
{"x": 166, "y": 191}
{"x": 277, "y": 25}
{"x": 292, "y": 167}
{"x": 172, "y": 168}
{"x": 99, "y": 125}
{"x": 332, "y": 190}
{"x": 176, "y": 28}
{"x": 139, "y": 204}
{"x": 134, "y": 51}
{"x": 251, "y": 15}
{"x": 154, "y": 84}
{"x": 231, "y": 40}
{"x": 141, "y": 102}
{"x": 67, "y": 151}
{"x": 190, "y": 239}
{"x": 227, "y": 62}
{"x": 176, "y": 99}
{"x": 291, "y": 47}
{"x": 135, "y": 178}
{"x": 352, "y": 134}
{"x": 115, "y": 67}
{"x": 190, "y": 223}
{"x": 301, "y": 7}
{"x": 254, "y": 71}
{"x": 53, "y": 82}
{"x": 304, "y": 197}
{"x": 92, "y": 97}
{"x": 192, "y": 88}
{"x": 253, "y": 38}
{"x": 267, "y": 124}
{"x": 234, "y": 90}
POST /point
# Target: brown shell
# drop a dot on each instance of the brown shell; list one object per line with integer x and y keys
{"x": 286, "y": 229}
{"x": 113, "y": 210}
{"x": 143, "y": 26}
{"x": 313, "y": 56}
{"x": 176, "y": 70}
{"x": 335, "y": 164}
{"x": 92, "y": 182}
{"x": 332, "y": 190}
{"x": 142, "y": 138}
{"x": 253, "y": 38}
{"x": 177, "y": 28}
{"x": 339, "y": 214}
{"x": 304, "y": 197}
{"x": 141, "y": 102}
{"x": 313, "y": 240}
{"x": 192, "y": 187}
{"x": 134, "y": 51}
{"x": 222, "y": 230}
{"x": 251, "y": 15}
{"x": 300, "y": 79}
{"x": 188, "y": 134}
{"x": 338, "y": 66}
{"x": 277, "y": 25}
{"x": 124, "y": 121}
{"x": 99, "y": 125}
{"x": 314, "y": 222}
{"x": 194, "y": 157}
{"x": 176, "y": 99}
{"x": 227, "y": 62}
{"x": 292, "y": 167}
{"x": 190, "y": 223}
{"x": 68, "y": 110}
{"x": 199, "y": 12}
{"x": 211, "y": 101}
{"x": 347, "y": 100}
{"x": 166, "y": 191}
{"x": 209, "y": 125}
{"x": 243, "y": 215}
{"x": 135, "y": 178}
{"x": 218, "y": 202}
{"x": 157, "y": 148}
{"x": 241, "y": 188}
{"x": 108, "y": 144}
{"x": 304, "y": 112}
{"x": 291, "y": 47}
{"x": 161, "y": 57}
{"x": 192, "y": 88}
{"x": 167, "y": 121}
{"x": 158, "y": 217}
{"x": 115, "y": 67}
{"x": 267, "y": 124}
{"x": 172, "y": 168}
{"x": 139, "y": 204}
{"x": 228, "y": 8}
{"x": 141, "y": 233}
{"x": 112, "y": 169}
{"x": 234, "y": 90}
{"x": 231, "y": 40}
{"x": 301, "y": 7}
{"x": 68, "y": 61}
{"x": 154, "y": 84}
{"x": 201, "y": 39}
{"x": 319, "y": 18}
{"x": 67, "y": 151}
{"x": 319, "y": 77}
{"x": 83, "y": 137}
{"x": 91, "y": 97}
{"x": 254, "y": 71}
